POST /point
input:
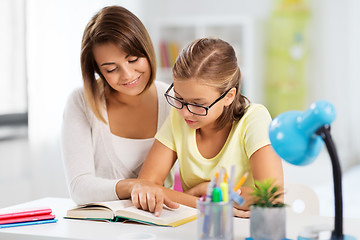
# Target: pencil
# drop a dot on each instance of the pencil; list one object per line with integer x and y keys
{"x": 241, "y": 181}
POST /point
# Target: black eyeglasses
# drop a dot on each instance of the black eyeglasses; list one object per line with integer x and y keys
{"x": 193, "y": 108}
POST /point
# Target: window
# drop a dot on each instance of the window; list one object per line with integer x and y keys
{"x": 13, "y": 85}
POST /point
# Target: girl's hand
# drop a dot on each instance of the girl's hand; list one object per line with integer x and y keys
{"x": 150, "y": 197}
{"x": 199, "y": 190}
{"x": 242, "y": 211}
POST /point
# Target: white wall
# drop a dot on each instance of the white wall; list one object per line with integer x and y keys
{"x": 334, "y": 71}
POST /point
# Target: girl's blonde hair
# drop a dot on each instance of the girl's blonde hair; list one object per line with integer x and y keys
{"x": 213, "y": 62}
{"x": 117, "y": 25}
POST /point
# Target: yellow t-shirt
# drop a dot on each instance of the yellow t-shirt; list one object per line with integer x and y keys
{"x": 246, "y": 136}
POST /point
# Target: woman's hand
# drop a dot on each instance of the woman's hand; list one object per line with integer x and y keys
{"x": 150, "y": 197}
{"x": 199, "y": 190}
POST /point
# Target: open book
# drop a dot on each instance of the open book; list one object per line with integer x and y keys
{"x": 123, "y": 210}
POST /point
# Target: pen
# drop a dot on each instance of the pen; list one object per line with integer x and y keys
{"x": 224, "y": 186}
{"x": 216, "y": 195}
{"x": 209, "y": 190}
{"x": 225, "y": 189}
{"x": 207, "y": 210}
{"x": 237, "y": 198}
{"x": 217, "y": 212}
{"x": 231, "y": 182}
{"x": 221, "y": 176}
{"x": 241, "y": 181}
{"x": 216, "y": 178}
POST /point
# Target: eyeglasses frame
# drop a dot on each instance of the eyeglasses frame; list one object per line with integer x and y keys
{"x": 166, "y": 94}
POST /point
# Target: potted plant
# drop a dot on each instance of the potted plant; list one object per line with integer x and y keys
{"x": 268, "y": 216}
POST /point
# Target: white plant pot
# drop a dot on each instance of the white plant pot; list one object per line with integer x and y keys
{"x": 267, "y": 223}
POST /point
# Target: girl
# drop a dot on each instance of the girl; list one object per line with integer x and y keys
{"x": 110, "y": 124}
{"x": 210, "y": 126}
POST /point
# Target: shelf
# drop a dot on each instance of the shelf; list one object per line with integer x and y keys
{"x": 173, "y": 34}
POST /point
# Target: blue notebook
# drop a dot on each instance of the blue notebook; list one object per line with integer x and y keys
{"x": 27, "y": 223}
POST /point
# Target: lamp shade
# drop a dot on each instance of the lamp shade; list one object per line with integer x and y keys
{"x": 293, "y": 133}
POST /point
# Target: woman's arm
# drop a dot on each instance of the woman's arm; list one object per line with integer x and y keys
{"x": 147, "y": 193}
{"x": 78, "y": 154}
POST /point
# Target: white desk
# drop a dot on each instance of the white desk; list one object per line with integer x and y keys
{"x": 79, "y": 229}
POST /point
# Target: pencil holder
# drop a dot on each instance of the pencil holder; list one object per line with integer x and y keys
{"x": 215, "y": 220}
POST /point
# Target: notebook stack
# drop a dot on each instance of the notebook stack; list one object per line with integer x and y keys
{"x": 23, "y": 217}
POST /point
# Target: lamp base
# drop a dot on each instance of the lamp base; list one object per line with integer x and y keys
{"x": 346, "y": 237}
{"x": 320, "y": 232}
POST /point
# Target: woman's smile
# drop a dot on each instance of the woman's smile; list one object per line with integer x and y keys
{"x": 132, "y": 83}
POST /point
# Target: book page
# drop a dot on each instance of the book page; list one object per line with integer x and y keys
{"x": 126, "y": 209}
{"x": 167, "y": 216}
{"x": 117, "y": 205}
{"x": 98, "y": 210}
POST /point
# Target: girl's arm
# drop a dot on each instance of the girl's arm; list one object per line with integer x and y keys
{"x": 265, "y": 164}
{"x": 158, "y": 163}
{"x": 147, "y": 193}
{"x": 199, "y": 190}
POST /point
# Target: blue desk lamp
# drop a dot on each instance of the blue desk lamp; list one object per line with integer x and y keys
{"x": 298, "y": 137}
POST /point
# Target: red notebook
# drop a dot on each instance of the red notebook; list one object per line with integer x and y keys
{"x": 21, "y": 213}
{"x": 27, "y": 219}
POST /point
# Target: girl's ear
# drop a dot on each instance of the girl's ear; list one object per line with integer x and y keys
{"x": 230, "y": 96}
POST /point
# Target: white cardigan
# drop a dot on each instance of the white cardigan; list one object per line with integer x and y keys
{"x": 92, "y": 165}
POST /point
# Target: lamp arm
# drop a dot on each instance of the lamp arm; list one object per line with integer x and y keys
{"x": 324, "y": 133}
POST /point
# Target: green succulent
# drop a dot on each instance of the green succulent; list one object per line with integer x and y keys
{"x": 266, "y": 194}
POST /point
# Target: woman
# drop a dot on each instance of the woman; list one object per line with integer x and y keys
{"x": 109, "y": 125}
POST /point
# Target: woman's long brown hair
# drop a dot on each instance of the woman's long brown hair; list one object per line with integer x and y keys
{"x": 117, "y": 25}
